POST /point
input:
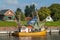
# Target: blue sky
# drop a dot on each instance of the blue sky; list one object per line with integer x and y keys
{"x": 13, "y": 4}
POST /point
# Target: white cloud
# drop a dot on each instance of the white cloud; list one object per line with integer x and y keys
{"x": 34, "y": 3}
{"x": 11, "y": 1}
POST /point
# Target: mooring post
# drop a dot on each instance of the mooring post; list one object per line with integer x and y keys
{"x": 50, "y": 31}
{"x": 9, "y": 33}
{"x": 59, "y": 31}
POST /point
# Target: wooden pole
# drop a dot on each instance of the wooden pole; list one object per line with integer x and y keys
{"x": 19, "y": 26}
{"x": 32, "y": 15}
{"x": 37, "y": 17}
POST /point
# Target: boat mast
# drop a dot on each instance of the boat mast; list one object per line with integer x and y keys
{"x": 37, "y": 17}
{"x": 18, "y": 22}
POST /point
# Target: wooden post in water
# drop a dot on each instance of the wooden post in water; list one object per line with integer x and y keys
{"x": 50, "y": 31}
{"x": 59, "y": 30}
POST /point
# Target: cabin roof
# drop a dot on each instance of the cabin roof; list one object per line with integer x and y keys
{"x": 2, "y": 12}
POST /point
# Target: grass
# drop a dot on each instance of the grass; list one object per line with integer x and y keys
{"x": 23, "y": 22}
{"x": 14, "y": 24}
{"x": 55, "y": 23}
{"x": 7, "y": 24}
{"x": 11, "y": 24}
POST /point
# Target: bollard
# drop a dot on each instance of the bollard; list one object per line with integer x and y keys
{"x": 9, "y": 33}
{"x": 59, "y": 32}
{"x": 50, "y": 32}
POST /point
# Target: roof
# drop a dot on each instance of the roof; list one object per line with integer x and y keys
{"x": 30, "y": 26}
{"x": 49, "y": 18}
{"x": 3, "y": 11}
{"x": 28, "y": 18}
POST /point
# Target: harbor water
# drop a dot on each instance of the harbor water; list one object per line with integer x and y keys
{"x": 53, "y": 36}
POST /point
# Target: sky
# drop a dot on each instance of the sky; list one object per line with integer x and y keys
{"x": 14, "y": 4}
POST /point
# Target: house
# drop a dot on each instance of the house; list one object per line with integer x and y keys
{"x": 7, "y": 14}
{"x": 48, "y": 18}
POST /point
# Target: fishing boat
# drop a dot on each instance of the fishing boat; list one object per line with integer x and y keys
{"x": 32, "y": 32}
{"x": 19, "y": 34}
{"x": 35, "y": 20}
{"x": 41, "y": 32}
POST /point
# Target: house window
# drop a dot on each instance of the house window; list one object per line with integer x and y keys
{"x": 9, "y": 18}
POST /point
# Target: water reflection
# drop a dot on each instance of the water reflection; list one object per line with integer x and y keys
{"x": 48, "y": 37}
{"x": 25, "y": 38}
{"x": 39, "y": 38}
{"x": 53, "y": 37}
{"x": 32, "y": 38}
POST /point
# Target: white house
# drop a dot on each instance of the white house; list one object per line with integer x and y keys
{"x": 48, "y": 18}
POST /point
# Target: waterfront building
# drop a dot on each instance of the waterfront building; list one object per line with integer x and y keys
{"x": 7, "y": 14}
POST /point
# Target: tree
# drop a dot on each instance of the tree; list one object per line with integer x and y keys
{"x": 22, "y": 16}
{"x": 43, "y": 12}
{"x": 18, "y": 14}
{"x": 32, "y": 10}
{"x": 55, "y": 11}
{"x": 29, "y": 10}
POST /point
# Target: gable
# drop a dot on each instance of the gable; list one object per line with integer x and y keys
{"x": 9, "y": 13}
{"x": 49, "y": 18}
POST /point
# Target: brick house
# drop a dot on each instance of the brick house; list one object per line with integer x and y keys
{"x": 7, "y": 14}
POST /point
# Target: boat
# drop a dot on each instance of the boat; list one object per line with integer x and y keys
{"x": 24, "y": 34}
{"x": 20, "y": 34}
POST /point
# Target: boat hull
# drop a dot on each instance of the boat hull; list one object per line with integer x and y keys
{"x": 42, "y": 33}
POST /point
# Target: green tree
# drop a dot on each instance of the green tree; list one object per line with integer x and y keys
{"x": 29, "y": 10}
{"x": 18, "y": 14}
{"x": 43, "y": 12}
{"x": 32, "y": 10}
{"x": 55, "y": 11}
{"x": 22, "y": 16}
